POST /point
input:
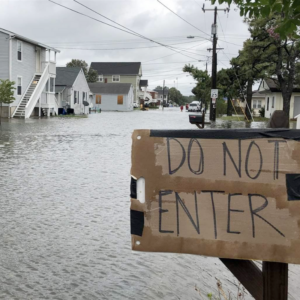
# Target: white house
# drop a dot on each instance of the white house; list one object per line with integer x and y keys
{"x": 274, "y": 100}
{"x": 163, "y": 95}
{"x": 112, "y": 96}
{"x": 258, "y": 101}
{"x": 32, "y": 66}
{"x": 72, "y": 90}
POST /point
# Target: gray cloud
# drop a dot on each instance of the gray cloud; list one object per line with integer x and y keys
{"x": 55, "y": 26}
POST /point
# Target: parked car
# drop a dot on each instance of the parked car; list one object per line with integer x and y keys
{"x": 195, "y": 106}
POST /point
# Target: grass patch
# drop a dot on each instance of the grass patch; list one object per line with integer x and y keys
{"x": 155, "y": 107}
{"x": 242, "y": 118}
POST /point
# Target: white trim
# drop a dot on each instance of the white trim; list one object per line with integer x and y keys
{"x": 19, "y": 60}
{"x": 21, "y": 85}
{"x": 112, "y": 78}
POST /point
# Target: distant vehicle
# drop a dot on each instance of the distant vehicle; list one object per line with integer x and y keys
{"x": 135, "y": 105}
{"x": 195, "y": 106}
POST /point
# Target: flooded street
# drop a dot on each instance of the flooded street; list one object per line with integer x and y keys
{"x": 65, "y": 227}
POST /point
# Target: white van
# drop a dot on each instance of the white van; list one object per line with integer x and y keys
{"x": 195, "y": 106}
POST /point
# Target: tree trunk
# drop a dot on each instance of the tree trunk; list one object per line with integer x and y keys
{"x": 229, "y": 107}
{"x": 249, "y": 99}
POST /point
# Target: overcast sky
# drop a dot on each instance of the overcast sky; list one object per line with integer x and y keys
{"x": 56, "y": 26}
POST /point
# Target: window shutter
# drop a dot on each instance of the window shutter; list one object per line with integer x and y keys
{"x": 120, "y": 99}
{"x": 98, "y": 99}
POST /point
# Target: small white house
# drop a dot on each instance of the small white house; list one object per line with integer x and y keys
{"x": 274, "y": 100}
{"x": 32, "y": 66}
{"x": 258, "y": 101}
{"x": 72, "y": 90}
{"x": 112, "y": 96}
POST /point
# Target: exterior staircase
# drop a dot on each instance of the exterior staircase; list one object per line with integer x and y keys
{"x": 20, "y": 111}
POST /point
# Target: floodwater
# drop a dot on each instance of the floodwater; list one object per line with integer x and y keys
{"x": 65, "y": 227}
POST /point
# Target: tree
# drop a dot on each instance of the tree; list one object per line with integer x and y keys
{"x": 6, "y": 93}
{"x": 158, "y": 88}
{"x": 91, "y": 75}
{"x": 203, "y": 87}
{"x": 281, "y": 55}
{"x": 79, "y": 63}
{"x": 288, "y": 10}
{"x": 228, "y": 87}
{"x": 176, "y": 96}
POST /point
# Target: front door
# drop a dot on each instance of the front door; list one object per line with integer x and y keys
{"x": 38, "y": 60}
{"x": 105, "y": 80}
{"x": 296, "y": 106}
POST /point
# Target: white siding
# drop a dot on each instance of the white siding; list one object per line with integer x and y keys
{"x": 25, "y": 68}
{"x": 4, "y": 56}
{"x": 109, "y": 102}
{"x": 80, "y": 85}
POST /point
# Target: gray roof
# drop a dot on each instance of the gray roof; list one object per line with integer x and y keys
{"x": 66, "y": 75}
{"x": 274, "y": 86}
{"x": 110, "y": 88}
{"x": 116, "y": 68}
{"x": 59, "y": 88}
{"x": 23, "y": 38}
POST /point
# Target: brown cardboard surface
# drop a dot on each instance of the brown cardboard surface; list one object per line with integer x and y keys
{"x": 214, "y": 197}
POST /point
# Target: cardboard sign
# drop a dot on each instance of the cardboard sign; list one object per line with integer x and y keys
{"x": 223, "y": 193}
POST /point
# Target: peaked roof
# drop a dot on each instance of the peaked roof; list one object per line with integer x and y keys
{"x": 25, "y": 39}
{"x": 274, "y": 85}
{"x": 116, "y": 68}
{"x": 257, "y": 93}
{"x": 110, "y": 88}
{"x": 66, "y": 76}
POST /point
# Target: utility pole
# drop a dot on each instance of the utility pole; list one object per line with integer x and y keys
{"x": 212, "y": 111}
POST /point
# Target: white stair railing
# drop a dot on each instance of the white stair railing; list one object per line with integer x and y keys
{"x": 37, "y": 92}
{"x": 30, "y": 83}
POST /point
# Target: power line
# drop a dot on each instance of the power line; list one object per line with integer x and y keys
{"x": 132, "y": 31}
{"x": 190, "y": 23}
{"x": 129, "y": 32}
{"x": 182, "y": 18}
{"x": 174, "y": 54}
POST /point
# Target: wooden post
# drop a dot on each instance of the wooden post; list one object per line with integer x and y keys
{"x": 275, "y": 277}
{"x": 249, "y": 275}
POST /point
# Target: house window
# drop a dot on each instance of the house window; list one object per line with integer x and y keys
{"x": 19, "y": 50}
{"x": 258, "y": 104}
{"x": 254, "y": 103}
{"x": 100, "y": 78}
{"x": 83, "y": 96}
{"x": 98, "y": 99}
{"x": 273, "y": 102}
{"x": 75, "y": 97}
{"x": 52, "y": 85}
{"x": 120, "y": 100}
{"x": 116, "y": 78}
{"x": 268, "y": 103}
{"x": 19, "y": 87}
